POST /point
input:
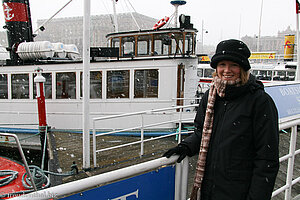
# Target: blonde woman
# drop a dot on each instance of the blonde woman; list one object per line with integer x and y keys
{"x": 236, "y": 132}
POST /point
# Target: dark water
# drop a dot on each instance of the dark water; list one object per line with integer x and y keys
{"x": 33, "y": 157}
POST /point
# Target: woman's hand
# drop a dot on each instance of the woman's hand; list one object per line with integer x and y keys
{"x": 180, "y": 150}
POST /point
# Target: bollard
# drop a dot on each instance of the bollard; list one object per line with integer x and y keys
{"x": 40, "y": 80}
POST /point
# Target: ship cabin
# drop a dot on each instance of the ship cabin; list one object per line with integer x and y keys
{"x": 138, "y": 70}
{"x": 169, "y": 42}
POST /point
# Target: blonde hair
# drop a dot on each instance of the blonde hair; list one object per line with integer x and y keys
{"x": 244, "y": 75}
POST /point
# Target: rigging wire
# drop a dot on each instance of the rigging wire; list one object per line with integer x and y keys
{"x": 171, "y": 18}
{"x": 109, "y": 13}
{"x": 41, "y": 27}
{"x": 128, "y": 2}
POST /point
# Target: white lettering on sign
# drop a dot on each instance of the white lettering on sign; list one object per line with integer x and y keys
{"x": 289, "y": 91}
{"x": 124, "y": 197}
{"x": 7, "y": 10}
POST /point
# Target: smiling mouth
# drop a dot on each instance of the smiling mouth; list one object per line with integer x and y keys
{"x": 227, "y": 76}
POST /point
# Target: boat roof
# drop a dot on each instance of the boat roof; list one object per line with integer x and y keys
{"x": 150, "y": 31}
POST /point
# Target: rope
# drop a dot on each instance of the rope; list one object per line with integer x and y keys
{"x": 40, "y": 179}
{"x": 39, "y": 176}
{"x": 11, "y": 175}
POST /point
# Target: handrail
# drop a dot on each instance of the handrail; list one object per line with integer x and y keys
{"x": 141, "y": 127}
{"x": 290, "y": 157}
{"x": 22, "y": 156}
{"x": 95, "y": 181}
{"x": 283, "y": 124}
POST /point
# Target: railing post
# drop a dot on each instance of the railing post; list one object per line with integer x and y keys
{"x": 180, "y": 124}
{"x": 184, "y": 178}
{"x": 178, "y": 179}
{"x": 142, "y": 135}
{"x": 181, "y": 179}
{"x": 290, "y": 168}
{"x": 94, "y": 145}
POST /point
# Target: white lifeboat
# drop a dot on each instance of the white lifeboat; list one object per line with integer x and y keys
{"x": 35, "y": 50}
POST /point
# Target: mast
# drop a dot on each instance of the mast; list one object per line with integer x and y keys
{"x": 297, "y": 76}
{"x": 176, "y": 4}
{"x": 115, "y": 16}
{"x": 259, "y": 28}
{"x": 86, "y": 84}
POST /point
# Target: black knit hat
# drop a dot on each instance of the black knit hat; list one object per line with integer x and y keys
{"x": 232, "y": 50}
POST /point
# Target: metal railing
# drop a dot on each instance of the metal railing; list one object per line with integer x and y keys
{"x": 287, "y": 188}
{"x": 283, "y": 124}
{"x": 22, "y": 156}
{"x": 94, "y": 181}
{"x": 176, "y": 111}
{"x": 181, "y": 171}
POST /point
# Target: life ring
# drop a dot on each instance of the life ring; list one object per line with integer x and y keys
{"x": 161, "y": 23}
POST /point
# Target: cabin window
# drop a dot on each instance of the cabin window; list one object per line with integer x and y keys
{"x": 66, "y": 85}
{"x": 95, "y": 84}
{"x": 188, "y": 44}
{"x": 161, "y": 44}
{"x": 115, "y": 42}
{"x": 47, "y": 85}
{"x": 146, "y": 83}
{"x": 128, "y": 46}
{"x": 291, "y": 76}
{"x": 144, "y": 45}
{"x": 254, "y": 72}
{"x": 118, "y": 84}
{"x": 3, "y": 86}
{"x": 20, "y": 86}
{"x": 264, "y": 75}
{"x": 279, "y": 75}
{"x": 208, "y": 73}
{"x": 199, "y": 72}
{"x": 177, "y": 44}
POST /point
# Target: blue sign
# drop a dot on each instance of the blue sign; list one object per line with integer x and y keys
{"x": 286, "y": 98}
{"x": 159, "y": 184}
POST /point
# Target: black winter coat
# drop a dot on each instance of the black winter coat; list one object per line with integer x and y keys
{"x": 243, "y": 158}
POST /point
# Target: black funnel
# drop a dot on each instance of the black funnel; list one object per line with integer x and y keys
{"x": 18, "y": 25}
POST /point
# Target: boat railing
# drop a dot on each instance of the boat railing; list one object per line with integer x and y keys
{"x": 181, "y": 173}
{"x": 188, "y": 101}
{"x": 78, "y": 186}
{"x": 179, "y": 118}
{"x": 286, "y": 124}
{"x": 290, "y": 157}
{"x": 22, "y": 156}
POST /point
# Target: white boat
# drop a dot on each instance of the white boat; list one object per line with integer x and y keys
{"x": 140, "y": 70}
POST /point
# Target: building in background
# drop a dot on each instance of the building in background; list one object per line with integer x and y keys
{"x": 69, "y": 30}
{"x": 269, "y": 43}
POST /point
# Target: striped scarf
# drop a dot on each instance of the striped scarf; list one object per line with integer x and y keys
{"x": 217, "y": 86}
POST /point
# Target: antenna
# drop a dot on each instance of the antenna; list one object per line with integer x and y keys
{"x": 176, "y": 4}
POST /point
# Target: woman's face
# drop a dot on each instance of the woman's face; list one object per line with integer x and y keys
{"x": 228, "y": 70}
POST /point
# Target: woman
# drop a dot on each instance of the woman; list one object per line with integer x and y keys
{"x": 236, "y": 132}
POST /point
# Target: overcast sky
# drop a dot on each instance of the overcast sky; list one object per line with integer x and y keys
{"x": 222, "y": 19}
